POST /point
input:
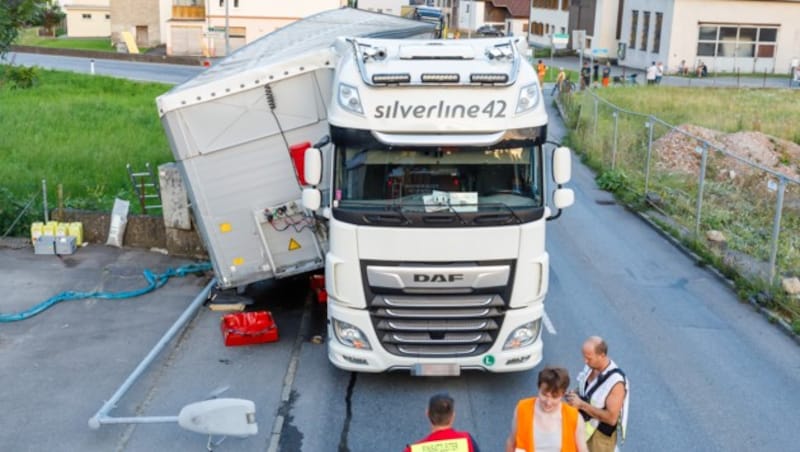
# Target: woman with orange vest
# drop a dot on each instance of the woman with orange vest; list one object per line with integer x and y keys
{"x": 544, "y": 423}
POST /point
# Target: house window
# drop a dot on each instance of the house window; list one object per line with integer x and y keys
{"x": 645, "y": 29}
{"x": 634, "y": 25}
{"x": 86, "y": 16}
{"x": 108, "y": 16}
{"x": 657, "y": 33}
{"x": 736, "y": 41}
{"x": 564, "y": 5}
{"x": 766, "y": 42}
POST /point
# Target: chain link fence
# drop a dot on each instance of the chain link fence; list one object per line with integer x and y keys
{"x": 742, "y": 216}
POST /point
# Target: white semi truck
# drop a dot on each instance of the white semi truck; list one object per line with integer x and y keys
{"x": 425, "y": 197}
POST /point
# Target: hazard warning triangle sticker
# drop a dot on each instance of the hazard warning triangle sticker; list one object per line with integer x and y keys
{"x": 293, "y": 245}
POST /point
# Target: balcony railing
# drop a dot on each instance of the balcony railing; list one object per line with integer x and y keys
{"x": 188, "y": 11}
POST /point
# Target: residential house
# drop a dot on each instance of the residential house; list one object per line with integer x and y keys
{"x": 547, "y": 18}
{"x": 383, "y": 6}
{"x": 141, "y": 18}
{"x": 508, "y": 16}
{"x": 726, "y": 35}
{"x": 87, "y": 18}
{"x": 197, "y": 27}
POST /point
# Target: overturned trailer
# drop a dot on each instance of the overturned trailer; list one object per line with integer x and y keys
{"x": 231, "y": 129}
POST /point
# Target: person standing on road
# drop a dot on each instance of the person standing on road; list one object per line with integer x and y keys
{"x": 606, "y": 74}
{"x": 651, "y": 73}
{"x": 602, "y": 397}
{"x": 560, "y": 79}
{"x": 586, "y": 75}
{"x": 544, "y": 423}
{"x": 659, "y": 72}
{"x": 541, "y": 69}
{"x": 441, "y": 413}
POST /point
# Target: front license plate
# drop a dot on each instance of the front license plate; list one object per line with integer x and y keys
{"x": 436, "y": 370}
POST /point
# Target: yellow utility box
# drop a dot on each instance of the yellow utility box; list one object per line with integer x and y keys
{"x": 37, "y": 230}
{"x": 76, "y": 230}
{"x": 50, "y": 228}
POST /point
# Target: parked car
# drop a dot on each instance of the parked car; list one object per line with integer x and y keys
{"x": 488, "y": 30}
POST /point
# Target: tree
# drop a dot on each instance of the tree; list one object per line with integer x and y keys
{"x": 48, "y": 15}
{"x": 14, "y": 14}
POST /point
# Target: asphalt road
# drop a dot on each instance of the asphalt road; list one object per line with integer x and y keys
{"x": 707, "y": 372}
{"x": 146, "y": 72}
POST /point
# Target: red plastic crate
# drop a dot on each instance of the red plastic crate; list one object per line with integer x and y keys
{"x": 245, "y": 328}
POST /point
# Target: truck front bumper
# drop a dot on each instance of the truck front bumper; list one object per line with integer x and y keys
{"x": 377, "y": 359}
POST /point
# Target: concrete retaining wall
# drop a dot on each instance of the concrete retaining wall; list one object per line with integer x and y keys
{"x": 142, "y": 231}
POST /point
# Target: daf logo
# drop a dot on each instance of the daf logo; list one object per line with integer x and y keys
{"x": 438, "y": 278}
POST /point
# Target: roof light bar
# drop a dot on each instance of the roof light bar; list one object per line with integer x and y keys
{"x": 391, "y": 78}
{"x": 488, "y": 78}
{"x": 440, "y": 78}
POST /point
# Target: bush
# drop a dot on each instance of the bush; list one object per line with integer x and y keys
{"x": 20, "y": 77}
{"x": 614, "y": 181}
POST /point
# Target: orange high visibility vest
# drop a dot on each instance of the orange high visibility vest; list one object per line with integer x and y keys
{"x": 524, "y": 439}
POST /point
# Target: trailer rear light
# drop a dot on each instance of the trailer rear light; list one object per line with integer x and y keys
{"x": 528, "y": 98}
{"x": 488, "y": 78}
{"x": 440, "y": 78}
{"x": 391, "y": 78}
{"x": 523, "y": 336}
{"x": 349, "y": 99}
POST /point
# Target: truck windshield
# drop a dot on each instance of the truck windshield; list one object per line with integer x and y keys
{"x": 439, "y": 179}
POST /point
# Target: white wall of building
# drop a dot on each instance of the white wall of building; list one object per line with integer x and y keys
{"x": 382, "y": 6}
{"x": 680, "y": 32}
{"x": 557, "y": 19}
{"x": 88, "y": 18}
{"x": 265, "y": 16}
{"x": 470, "y": 14}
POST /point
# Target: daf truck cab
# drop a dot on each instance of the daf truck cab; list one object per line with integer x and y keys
{"x": 437, "y": 206}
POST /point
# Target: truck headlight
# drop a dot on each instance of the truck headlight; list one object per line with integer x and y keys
{"x": 349, "y": 99}
{"x": 523, "y": 336}
{"x": 350, "y": 336}
{"x": 528, "y": 98}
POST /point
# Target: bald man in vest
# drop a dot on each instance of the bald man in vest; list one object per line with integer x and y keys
{"x": 602, "y": 397}
{"x": 441, "y": 412}
{"x": 544, "y": 423}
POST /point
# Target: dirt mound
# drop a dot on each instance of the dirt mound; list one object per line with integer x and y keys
{"x": 675, "y": 151}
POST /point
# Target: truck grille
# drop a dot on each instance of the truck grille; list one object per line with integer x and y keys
{"x": 437, "y": 325}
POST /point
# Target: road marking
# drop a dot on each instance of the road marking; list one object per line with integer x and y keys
{"x": 548, "y": 325}
{"x": 288, "y": 380}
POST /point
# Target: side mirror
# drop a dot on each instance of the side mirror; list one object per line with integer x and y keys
{"x": 562, "y": 165}
{"x": 229, "y": 417}
{"x": 563, "y": 198}
{"x": 312, "y": 198}
{"x": 312, "y": 166}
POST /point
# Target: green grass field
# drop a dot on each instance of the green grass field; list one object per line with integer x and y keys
{"x": 79, "y": 131}
{"x": 772, "y": 111}
{"x": 30, "y": 37}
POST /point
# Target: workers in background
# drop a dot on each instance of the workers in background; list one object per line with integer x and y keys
{"x": 560, "y": 79}
{"x": 541, "y": 69}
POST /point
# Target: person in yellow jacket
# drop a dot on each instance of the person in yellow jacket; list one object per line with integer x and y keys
{"x": 545, "y": 423}
{"x": 541, "y": 69}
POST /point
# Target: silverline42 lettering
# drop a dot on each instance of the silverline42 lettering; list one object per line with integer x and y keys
{"x": 493, "y": 109}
